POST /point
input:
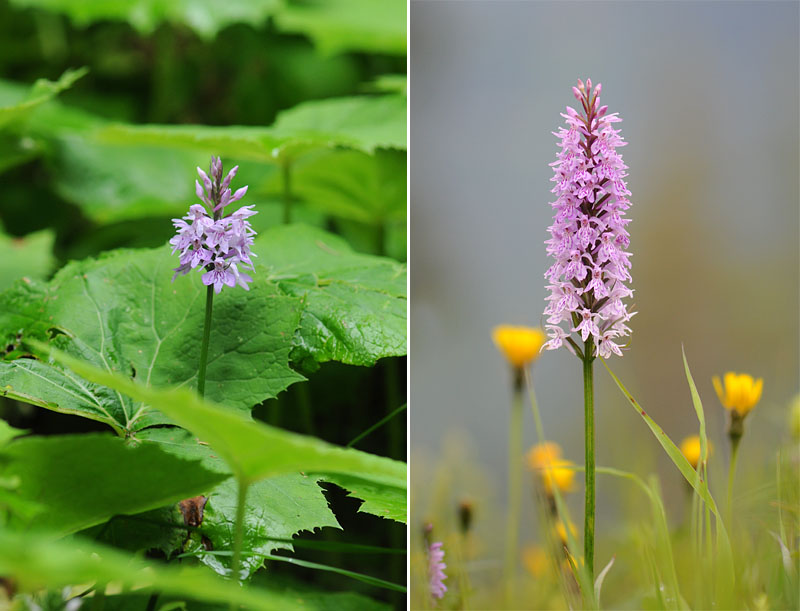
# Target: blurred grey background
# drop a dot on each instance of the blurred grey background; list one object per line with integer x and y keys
{"x": 708, "y": 94}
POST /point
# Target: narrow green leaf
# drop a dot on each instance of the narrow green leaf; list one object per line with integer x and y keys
{"x": 698, "y": 408}
{"x": 598, "y": 583}
{"x": 377, "y": 425}
{"x": 373, "y": 581}
{"x": 700, "y": 485}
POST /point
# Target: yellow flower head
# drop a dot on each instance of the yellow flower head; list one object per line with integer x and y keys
{"x": 520, "y": 345}
{"x": 535, "y": 560}
{"x": 561, "y": 531}
{"x": 690, "y": 447}
{"x": 739, "y": 393}
{"x": 543, "y": 453}
{"x": 546, "y": 460}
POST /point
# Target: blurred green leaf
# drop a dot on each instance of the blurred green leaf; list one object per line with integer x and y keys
{"x": 83, "y": 480}
{"x": 115, "y": 182}
{"x": 348, "y": 25}
{"x": 252, "y": 450}
{"x": 124, "y": 313}
{"x": 370, "y": 189}
{"x": 354, "y": 306}
{"x": 389, "y": 83}
{"x": 36, "y": 561}
{"x": 30, "y": 256}
{"x": 41, "y": 92}
{"x": 8, "y": 432}
{"x": 303, "y": 594}
{"x": 206, "y": 17}
{"x": 363, "y": 123}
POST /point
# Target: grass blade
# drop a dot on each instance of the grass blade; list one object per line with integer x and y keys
{"x": 724, "y": 554}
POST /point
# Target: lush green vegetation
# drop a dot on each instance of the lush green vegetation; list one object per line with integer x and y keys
{"x": 105, "y": 447}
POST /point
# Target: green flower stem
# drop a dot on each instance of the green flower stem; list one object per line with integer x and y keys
{"x": 514, "y": 484}
{"x": 238, "y": 538}
{"x": 588, "y": 404}
{"x": 286, "y": 179}
{"x": 201, "y": 374}
{"x": 731, "y": 475}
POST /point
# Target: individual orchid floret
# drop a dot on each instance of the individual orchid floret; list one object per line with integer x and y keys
{"x": 216, "y": 244}
{"x": 588, "y": 239}
{"x": 436, "y": 567}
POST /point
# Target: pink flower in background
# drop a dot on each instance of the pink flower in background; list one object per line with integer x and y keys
{"x": 216, "y": 244}
{"x": 588, "y": 239}
{"x": 436, "y": 568}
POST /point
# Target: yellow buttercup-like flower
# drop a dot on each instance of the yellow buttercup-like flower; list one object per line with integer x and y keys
{"x": 520, "y": 345}
{"x": 690, "y": 448}
{"x": 535, "y": 560}
{"x": 739, "y": 393}
{"x": 543, "y": 453}
{"x": 554, "y": 471}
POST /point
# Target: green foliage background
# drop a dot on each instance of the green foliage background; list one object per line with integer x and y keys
{"x": 105, "y": 111}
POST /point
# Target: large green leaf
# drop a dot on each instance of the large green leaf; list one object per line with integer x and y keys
{"x": 252, "y": 450}
{"x": 354, "y": 306}
{"x": 348, "y": 25}
{"x": 112, "y": 182}
{"x": 123, "y": 313}
{"x": 363, "y": 123}
{"x": 30, "y": 256}
{"x": 36, "y": 561}
{"x": 277, "y": 507}
{"x": 379, "y": 499}
{"x": 350, "y": 184}
{"x": 83, "y": 480}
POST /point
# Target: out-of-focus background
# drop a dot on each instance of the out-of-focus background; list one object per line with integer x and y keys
{"x": 708, "y": 94}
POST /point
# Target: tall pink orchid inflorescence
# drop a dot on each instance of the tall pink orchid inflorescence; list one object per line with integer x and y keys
{"x": 588, "y": 236}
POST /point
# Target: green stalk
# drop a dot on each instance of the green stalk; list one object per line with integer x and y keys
{"x": 286, "y": 176}
{"x": 588, "y": 404}
{"x": 731, "y": 474}
{"x": 514, "y": 485}
{"x": 201, "y": 374}
{"x": 239, "y": 533}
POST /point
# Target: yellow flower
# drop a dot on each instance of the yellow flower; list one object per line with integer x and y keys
{"x": 740, "y": 392}
{"x": 535, "y": 560}
{"x": 543, "y": 453}
{"x": 546, "y": 460}
{"x": 561, "y": 531}
{"x": 520, "y": 345}
{"x": 690, "y": 448}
